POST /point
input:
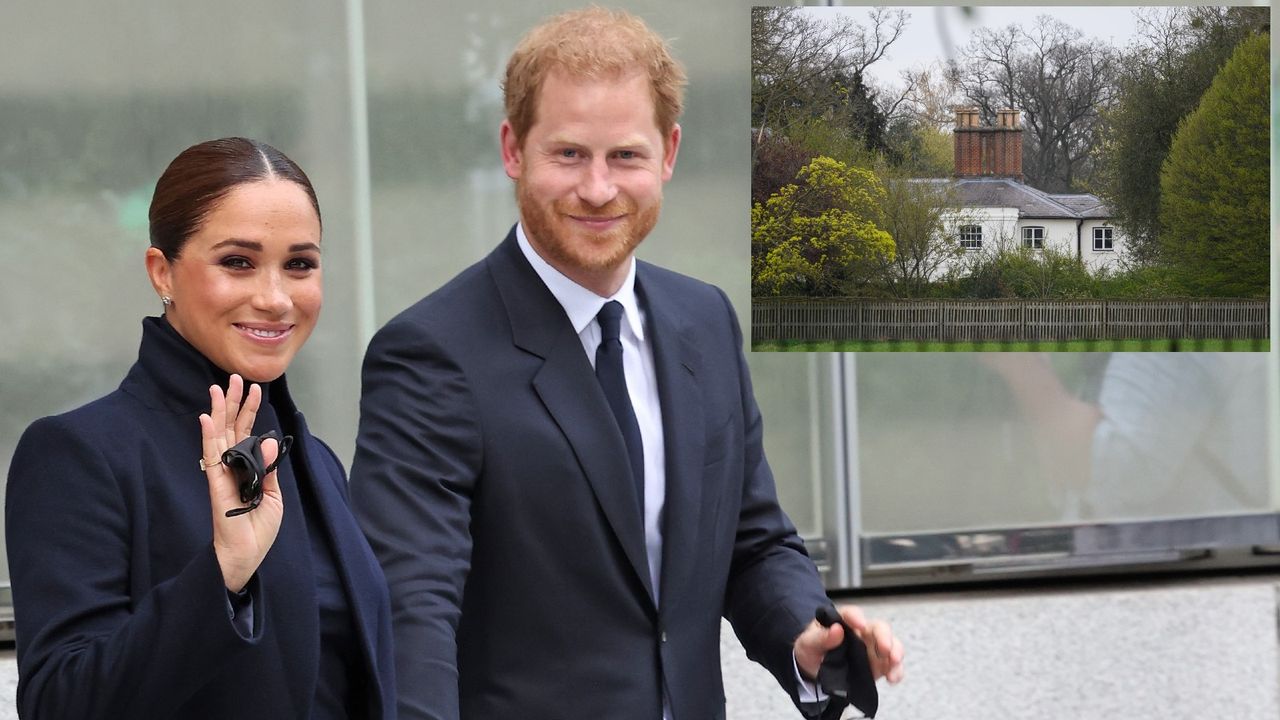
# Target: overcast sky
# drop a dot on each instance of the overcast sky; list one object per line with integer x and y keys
{"x": 923, "y": 41}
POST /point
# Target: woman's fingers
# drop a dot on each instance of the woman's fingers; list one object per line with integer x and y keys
{"x": 235, "y": 393}
{"x": 209, "y": 440}
{"x": 248, "y": 413}
{"x": 211, "y": 447}
{"x": 230, "y": 420}
{"x": 218, "y": 413}
{"x": 234, "y": 411}
{"x": 270, "y": 484}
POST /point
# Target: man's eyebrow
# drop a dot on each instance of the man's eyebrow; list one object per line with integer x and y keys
{"x": 631, "y": 141}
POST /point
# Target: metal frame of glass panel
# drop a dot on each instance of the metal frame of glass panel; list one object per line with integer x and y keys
{"x": 1182, "y": 544}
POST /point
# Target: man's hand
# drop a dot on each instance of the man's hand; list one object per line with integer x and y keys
{"x": 884, "y": 651}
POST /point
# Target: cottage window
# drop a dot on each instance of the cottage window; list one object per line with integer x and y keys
{"x": 1102, "y": 239}
{"x": 1033, "y": 237}
{"x": 971, "y": 237}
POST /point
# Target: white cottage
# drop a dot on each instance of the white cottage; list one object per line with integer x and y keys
{"x": 998, "y": 209}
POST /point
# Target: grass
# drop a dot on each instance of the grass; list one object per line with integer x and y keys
{"x": 1262, "y": 345}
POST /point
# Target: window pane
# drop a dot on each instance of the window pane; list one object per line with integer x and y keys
{"x": 1102, "y": 238}
{"x": 1033, "y": 237}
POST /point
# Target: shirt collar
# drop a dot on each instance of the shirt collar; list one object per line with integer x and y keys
{"x": 579, "y": 303}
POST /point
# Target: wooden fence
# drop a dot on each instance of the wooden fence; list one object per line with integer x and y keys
{"x": 809, "y": 319}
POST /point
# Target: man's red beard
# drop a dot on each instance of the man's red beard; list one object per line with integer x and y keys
{"x": 553, "y": 231}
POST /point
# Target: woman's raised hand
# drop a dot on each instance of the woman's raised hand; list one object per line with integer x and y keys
{"x": 240, "y": 542}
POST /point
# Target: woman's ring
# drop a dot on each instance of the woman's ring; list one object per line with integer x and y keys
{"x": 205, "y": 465}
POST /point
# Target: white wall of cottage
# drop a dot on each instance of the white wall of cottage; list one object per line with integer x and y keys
{"x": 1002, "y": 228}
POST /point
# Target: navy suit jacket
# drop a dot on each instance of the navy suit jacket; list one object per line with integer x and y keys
{"x": 492, "y": 482}
{"x": 120, "y": 605}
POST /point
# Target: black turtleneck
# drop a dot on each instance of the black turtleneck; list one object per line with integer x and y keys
{"x": 184, "y": 376}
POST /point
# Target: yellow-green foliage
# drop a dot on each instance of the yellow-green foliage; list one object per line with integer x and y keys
{"x": 821, "y": 235}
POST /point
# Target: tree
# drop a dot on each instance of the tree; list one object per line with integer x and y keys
{"x": 1059, "y": 81}
{"x": 802, "y": 67}
{"x": 931, "y": 96}
{"x": 919, "y": 149}
{"x": 1161, "y": 79}
{"x": 916, "y": 215}
{"x": 775, "y": 164}
{"x": 837, "y": 113}
{"x": 817, "y": 136}
{"x": 1214, "y": 205}
{"x": 822, "y": 235}
{"x": 918, "y": 137}
{"x": 859, "y": 112}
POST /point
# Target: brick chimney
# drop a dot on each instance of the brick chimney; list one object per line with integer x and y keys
{"x": 988, "y": 151}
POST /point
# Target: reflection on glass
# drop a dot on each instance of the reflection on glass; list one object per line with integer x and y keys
{"x": 1193, "y": 426}
{"x": 1015, "y": 439}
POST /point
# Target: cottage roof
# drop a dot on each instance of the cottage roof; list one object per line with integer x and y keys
{"x": 1086, "y": 205}
{"x": 1030, "y": 202}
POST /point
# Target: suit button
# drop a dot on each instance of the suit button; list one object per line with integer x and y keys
{"x": 664, "y": 636}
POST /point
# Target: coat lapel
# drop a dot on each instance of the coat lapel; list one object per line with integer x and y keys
{"x": 351, "y": 554}
{"x": 287, "y": 566}
{"x": 677, "y": 362}
{"x": 568, "y": 389}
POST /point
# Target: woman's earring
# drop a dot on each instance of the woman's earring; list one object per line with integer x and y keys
{"x": 166, "y": 300}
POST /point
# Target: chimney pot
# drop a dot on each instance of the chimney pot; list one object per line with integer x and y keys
{"x": 1008, "y": 118}
{"x": 966, "y": 117}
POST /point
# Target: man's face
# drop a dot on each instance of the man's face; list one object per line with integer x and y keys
{"x": 589, "y": 174}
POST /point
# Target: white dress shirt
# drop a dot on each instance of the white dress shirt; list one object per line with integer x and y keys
{"x": 582, "y": 306}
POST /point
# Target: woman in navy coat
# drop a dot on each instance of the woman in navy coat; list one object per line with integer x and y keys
{"x": 136, "y": 594}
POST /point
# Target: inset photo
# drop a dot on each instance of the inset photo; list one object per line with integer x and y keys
{"x": 1010, "y": 178}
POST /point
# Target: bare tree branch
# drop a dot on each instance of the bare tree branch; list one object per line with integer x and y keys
{"x": 1059, "y": 80}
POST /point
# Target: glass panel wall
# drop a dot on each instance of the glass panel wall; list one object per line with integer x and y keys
{"x": 95, "y": 99}
{"x": 1015, "y": 462}
{"x": 962, "y": 441}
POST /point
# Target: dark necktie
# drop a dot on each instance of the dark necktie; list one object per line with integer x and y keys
{"x": 614, "y": 382}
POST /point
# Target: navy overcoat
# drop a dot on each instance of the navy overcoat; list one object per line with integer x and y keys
{"x": 120, "y": 606}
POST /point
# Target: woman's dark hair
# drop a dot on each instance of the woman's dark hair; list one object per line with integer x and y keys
{"x": 202, "y": 175}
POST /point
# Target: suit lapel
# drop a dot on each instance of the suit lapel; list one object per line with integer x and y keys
{"x": 568, "y": 389}
{"x": 677, "y": 362}
{"x": 573, "y": 397}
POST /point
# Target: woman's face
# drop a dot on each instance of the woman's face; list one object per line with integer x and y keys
{"x": 246, "y": 286}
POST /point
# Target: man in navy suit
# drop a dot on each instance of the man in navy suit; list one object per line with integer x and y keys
{"x": 559, "y": 462}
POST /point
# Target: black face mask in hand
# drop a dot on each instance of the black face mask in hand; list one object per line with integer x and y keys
{"x": 846, "y": 672}
{"x": 244, "y": 460}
